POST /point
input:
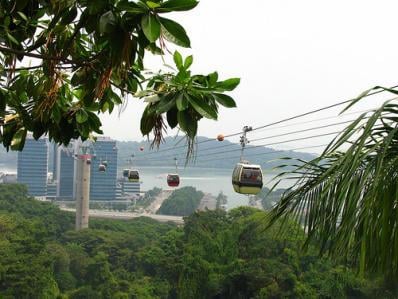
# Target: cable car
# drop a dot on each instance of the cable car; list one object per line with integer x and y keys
{"x": 101, "y": 168}
{"x": 173, "y": 180}
{"x": 126, "y": 173}
{"x": 133, "y": 176}
{"x": 247, "y": 178}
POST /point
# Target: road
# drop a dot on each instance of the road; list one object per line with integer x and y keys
{"x": 155, "y": 205}
{"x": 128, "y": 215}
{"x": 208, "y": 201}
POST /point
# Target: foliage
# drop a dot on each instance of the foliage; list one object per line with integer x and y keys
{"x": 215, "y": 255}
{"x": 148, "y": 198}
{"x": 269, "y": 198}
{"x": 347, "y": 198}
{"x": 87, "y": 57}
{"x": 221, "y": 200}
{"x": 182, "y": 202}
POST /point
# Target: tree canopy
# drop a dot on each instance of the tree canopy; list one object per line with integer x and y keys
{"x": 215, "y": 255}
{"x": 64, "y": 62}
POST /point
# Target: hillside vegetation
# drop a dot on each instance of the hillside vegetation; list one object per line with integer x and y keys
{"x": 182, "y": 202}
{"x": 215, "y": 255}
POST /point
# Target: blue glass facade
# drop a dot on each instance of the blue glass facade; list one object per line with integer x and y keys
{"x": 65, "y": 172}
{"x": 32, "y": 166}
{"x": 103, "y": 184}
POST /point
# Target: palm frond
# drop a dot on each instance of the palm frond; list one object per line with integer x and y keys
{"x": 347, "y": 198}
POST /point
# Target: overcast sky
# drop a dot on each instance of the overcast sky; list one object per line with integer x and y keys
{"x": 292, "y": 56}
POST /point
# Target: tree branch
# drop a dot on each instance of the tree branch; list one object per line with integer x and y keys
{"x": 39, "y": 56}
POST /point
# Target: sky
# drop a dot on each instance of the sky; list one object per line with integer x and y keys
{"x": 292, "y": 56}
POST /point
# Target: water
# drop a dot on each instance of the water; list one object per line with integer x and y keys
{"x": 208, "y": 180}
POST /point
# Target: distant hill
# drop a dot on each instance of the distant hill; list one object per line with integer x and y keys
{"x": 211, "y": 154}
{"x": 174, "y": 147}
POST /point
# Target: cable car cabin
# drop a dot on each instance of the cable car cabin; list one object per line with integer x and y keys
{"x": 126, "y": 173}
{"x": 173, "y": 180}
{"x": 134, "y": 176}
{"x": 101, "y": 168}
{"x": 247, "y": 178}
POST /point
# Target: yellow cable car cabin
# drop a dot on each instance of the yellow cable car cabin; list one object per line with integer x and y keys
{"x": 134, "y": 176}
{"x": 247, "y": 178}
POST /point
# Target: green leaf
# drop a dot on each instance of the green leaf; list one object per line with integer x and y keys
{"x": 18, "y": 140}
{"x": 175, "y": 33}
{"x": 131, "y": 7}
{"x": 228, "y": 84}
{"x": 188, "y": 62}
{"x": 203, "y": 108}
{"x": 224, "y": 100}
{"x": 182, "y": 102}
{"x": 152, "y": 4}
{"x": 107, "y": 22}
{"x": 151, "y": 27}
{"x": 178, "y": 60}
{"x": 147, "y": 121}
{"x": 213, "y": 77}
{"x": 69, "y": 16}
{"x": 165, "y": 104}
{"x": 3, "y": 103}
{"x": 178, "y": 5}
{"x": 22, "y": 15}
{"x": 172, "y": 118}
{"x": 12, "y": 39}
{"x": 81, "y": 116}
{"x": 187, "y": 123}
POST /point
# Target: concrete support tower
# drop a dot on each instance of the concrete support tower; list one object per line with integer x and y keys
{"x": 82, "y": 187}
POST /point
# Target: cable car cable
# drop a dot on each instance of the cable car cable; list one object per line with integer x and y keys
{"x": 277, "y": 122}
{"x": 262, "y": 145}
{"x": 268, "y": 153}
{"x": 318, "y": 110}
{"x": 267, "y": 137}
{"x": 280, "y": 135}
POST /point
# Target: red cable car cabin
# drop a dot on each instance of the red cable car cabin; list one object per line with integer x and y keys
{"x": 173, "y": 180}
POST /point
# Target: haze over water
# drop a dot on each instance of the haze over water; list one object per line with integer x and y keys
{"x": 208, "y": 180}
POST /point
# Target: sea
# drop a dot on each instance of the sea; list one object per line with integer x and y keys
{"x": 208, "y": 180}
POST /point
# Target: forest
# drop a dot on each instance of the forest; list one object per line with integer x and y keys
{"x": 216, "y": 254}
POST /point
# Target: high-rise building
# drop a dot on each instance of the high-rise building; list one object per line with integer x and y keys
{"x": 131, "y": 188}
{"x": 103, "y": 183}
{"x": 65, "y": 171}
{"x": 53, "y": 159}
{"x": 32, "y": 166}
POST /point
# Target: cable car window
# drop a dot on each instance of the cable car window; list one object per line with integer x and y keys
{"x": 251, "y": 175}
{"x": 235, "y": 174}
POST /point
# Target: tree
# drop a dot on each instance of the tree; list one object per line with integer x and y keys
{"x": 347, "y": 197}
{"x": 64, "y": 62}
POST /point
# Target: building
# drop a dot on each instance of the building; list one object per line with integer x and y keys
{"x": 32, "y": 166}
{"x": 51, "y": 190}
{"x": 103, "y": 183}
{"x": 8, "y": 178}
{"x": 65, "y": 171}
{"x": 131, "y": 188}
